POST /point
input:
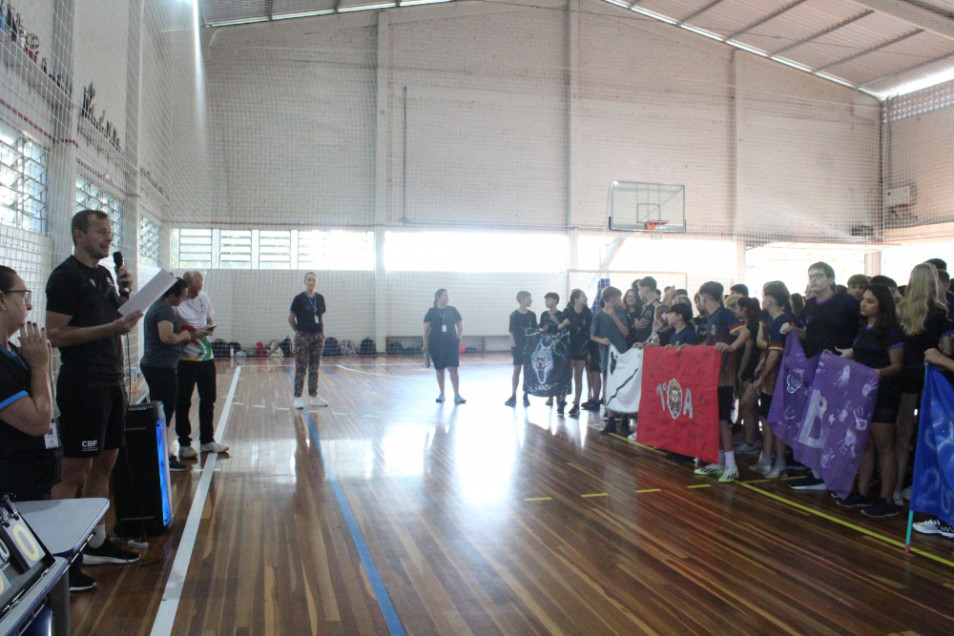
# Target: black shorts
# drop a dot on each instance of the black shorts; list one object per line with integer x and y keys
{"x": 445, "y": 355}
{"x": 886, "y": 406}
{"x": 517, "y": 354}
{"x": 92, "y": 419}
{"x": 726, "y": 398}
{"x": 593, "y": 358}
{"x": 911, "y": 380}
{"x": 765, "y": 403}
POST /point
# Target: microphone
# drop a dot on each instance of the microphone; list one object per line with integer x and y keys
{"x": 118, "y": 263}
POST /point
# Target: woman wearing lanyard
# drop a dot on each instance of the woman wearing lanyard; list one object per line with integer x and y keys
{"x": 443, "y": 328}
{"x": 30, "y": 453}
{"x": 306, "y": 318}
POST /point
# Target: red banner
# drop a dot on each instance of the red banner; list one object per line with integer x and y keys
{"x": 679, "y": 406}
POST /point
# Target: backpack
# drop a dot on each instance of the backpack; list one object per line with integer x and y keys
{"x": 368, "y": 348}
{"x": 234, "y": 347}
{"x": 348, "y": 348}
{"x": 286, "y": 346}
{"x": 331, "y": 347}
{"x": 220, "y": 349}
{"x": 395, "y": 348}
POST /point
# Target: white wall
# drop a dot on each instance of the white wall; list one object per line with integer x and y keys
{"x": 922, "y": 156}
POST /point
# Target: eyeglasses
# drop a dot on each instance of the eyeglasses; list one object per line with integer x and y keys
{"x": 816, "y": 276}
{"x": 27, "y": 294}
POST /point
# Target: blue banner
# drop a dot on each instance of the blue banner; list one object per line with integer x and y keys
{"x": 933, "y": 488}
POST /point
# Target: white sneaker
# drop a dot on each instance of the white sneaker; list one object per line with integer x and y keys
{"x": 187, "y": 452}
{"x": 897, "y": 498}
{"x": 776, "y": 471}
{"x": 299, "y": 403}
{"x": 213, "y": 447}
{"x": 317, "y": 401}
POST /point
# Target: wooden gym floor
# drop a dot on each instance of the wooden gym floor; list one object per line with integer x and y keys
{"x": 389, "y": 513}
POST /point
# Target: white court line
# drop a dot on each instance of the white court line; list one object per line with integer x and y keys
{"x": 169, "y": 605}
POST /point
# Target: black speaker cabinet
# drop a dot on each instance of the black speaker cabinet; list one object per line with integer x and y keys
{"x": 141, "y": 475}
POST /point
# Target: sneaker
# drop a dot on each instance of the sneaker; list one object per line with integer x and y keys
{"x": 764, "y": 465}
{"x": 440, "y": 398}
{"x": 109, "y": 552}
{"x": 906, "y": 493}
{"x": 881, "y": 509}
{"x": 526, "y": 400}
{"x": 549, "y": 401}
{"x": 590, "y": 405}
{"x": 175, "y": 466}
{"x": 610, "y": 427}
{"x": 317, "y": 401}
{"x": 459, "y": 400}
{"x": 796, "y": 467}
{"x": 710, "y": 469}
{"x": 511, "y": 401}
{"x": 80, "y": 582}
{"x": 808, "y": 483}
{"x": 561, "y": 408}
{"x": 299, "y": 403}
{"x": 623, "y": 425}
{"x": 777, "y": 471}
{"x": 855, "y": 500}
{"x": 187, "y": 452}
{"x": 213, "y": 447}
{"x": 897, "y": 498}
{"x": 935, "y": 526}
{"x": 728, "y": 476}
{"x": 575, "y": 411}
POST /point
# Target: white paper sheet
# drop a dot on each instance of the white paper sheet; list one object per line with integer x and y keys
{"x": 149, "y": 293}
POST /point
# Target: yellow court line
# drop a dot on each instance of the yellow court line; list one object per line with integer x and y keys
{"x": 538, "y": 498}
{"x": 842, "y": 522}
{"x": 700, "y": 486}
{"x": 596, "y": 494}
{"x": 650, "y": 490}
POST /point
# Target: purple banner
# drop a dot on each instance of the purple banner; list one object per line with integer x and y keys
{"x": 824, "y": 413}
{"x": 792, "y": 389}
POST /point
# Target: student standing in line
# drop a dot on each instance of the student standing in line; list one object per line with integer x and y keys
{"x": 878, "y": 345}
{"x": 306, "y": 318}
{"x": 551, "y": 321}
{"x": 521, "y": 319}
{"x": 577, "y": 317}
{"x": 828, "y": 322}
{"x": 443, "y": 329}
{"x": 610, "y": 327}
{"x": 679, "y": 318}
{"x": 728, "y": 335}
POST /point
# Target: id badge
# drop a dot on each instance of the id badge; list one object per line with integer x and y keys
{"x": 443, "y": 328}
{"x": 52, "y": 439}
{"x": 317, "y": 320}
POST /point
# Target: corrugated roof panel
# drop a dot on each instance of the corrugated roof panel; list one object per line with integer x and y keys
{"x": 909, "y": 53}
{"x": 287, "y": 8}
{"x": 233, "y": 11}
{"x": 799, "y": 23}
{"x": 859, "y": 36}
{"x": 731, "y": 16}
{"x": 676, "y": 9}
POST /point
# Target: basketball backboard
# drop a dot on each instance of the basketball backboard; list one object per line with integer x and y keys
{"x": 647, "y": 207}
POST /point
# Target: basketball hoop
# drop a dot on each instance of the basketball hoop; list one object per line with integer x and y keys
{"x": 655, "y": 225}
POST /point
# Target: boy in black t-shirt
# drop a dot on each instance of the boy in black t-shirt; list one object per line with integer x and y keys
{"x": 521, "y": 319}
{"x": 647, "y": 293}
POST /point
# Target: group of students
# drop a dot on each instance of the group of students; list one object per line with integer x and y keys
{"x": 894, "y": 330}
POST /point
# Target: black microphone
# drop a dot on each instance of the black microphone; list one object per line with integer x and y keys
{"x": 118, "y": 262}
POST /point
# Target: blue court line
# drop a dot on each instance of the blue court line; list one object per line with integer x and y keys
{"x": 374, "y": 578}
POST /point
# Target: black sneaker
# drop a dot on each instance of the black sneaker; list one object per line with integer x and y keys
{"x": 881, "y": 509}
{"x": 109, "y": 552}
{"x": 575, "y": 411}
{"x": 526, "y": 400}
{"x": 808, "y": 483}
{"x": 561, "y": 408}
{"x": 855, "y": 500}
{"x": 610, "y": 427}
{"x": 80, "y": 582}
{"x": 512, "y": 401}
{"x": 624, "y": 426}
{"x": 175, "y": 466}
{"x": 591, "y": 405}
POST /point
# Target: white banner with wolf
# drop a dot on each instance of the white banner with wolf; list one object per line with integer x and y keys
{"x": 624, "y": 378}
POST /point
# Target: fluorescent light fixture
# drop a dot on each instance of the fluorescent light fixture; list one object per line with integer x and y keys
{"x": 237, "y": 21}
{"x": 619, "y": 3}
{"x": 368, "y": 7}
{"x": 302, "y": 14}
{"x": 652, "y": 14}
{"x": 411, "y": 3}
{"x": 703, "y": 32}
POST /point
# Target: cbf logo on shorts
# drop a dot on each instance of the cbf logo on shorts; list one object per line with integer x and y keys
{"x": 90, "y": 445}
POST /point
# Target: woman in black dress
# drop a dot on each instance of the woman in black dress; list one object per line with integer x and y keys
{"x": 443, "y": 329}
